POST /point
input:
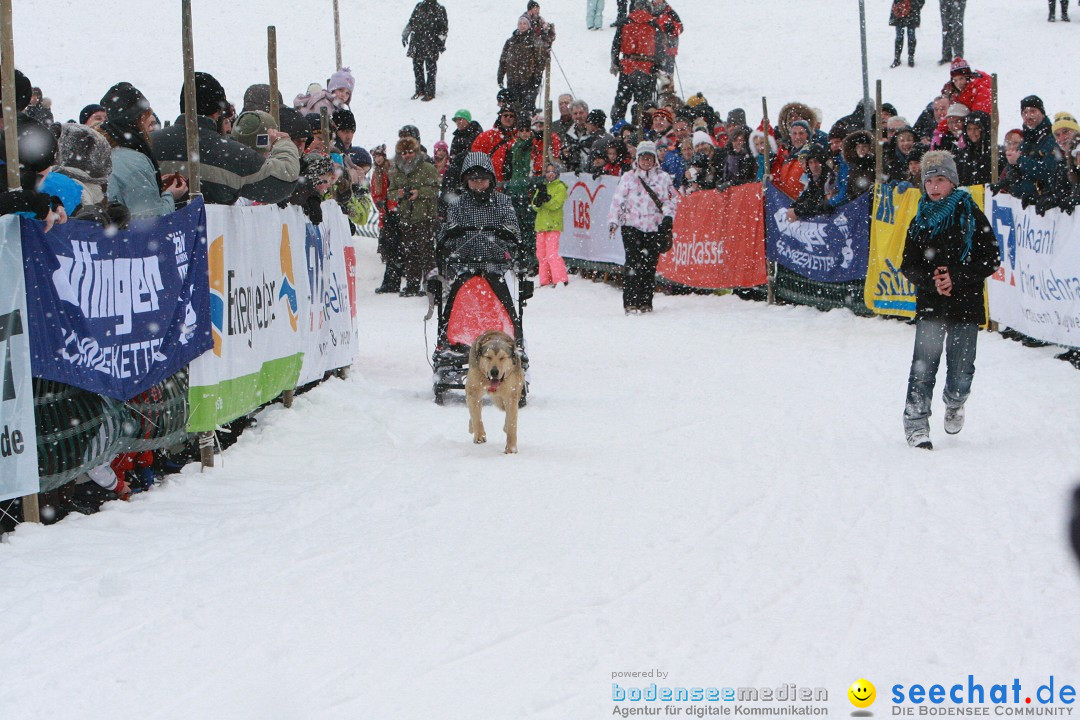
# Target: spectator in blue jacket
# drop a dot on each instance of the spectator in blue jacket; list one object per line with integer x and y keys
{"x": 1034, "y": 163}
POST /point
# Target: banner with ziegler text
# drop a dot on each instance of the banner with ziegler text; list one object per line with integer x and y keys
{"x": 585, "y": 220}
{"x": 116, "y": 312}
{"x": 826, "y": 248}
{"x": 887, "y": 292}
{"x": 719, "y": 240}
{"x": 256, "y": 317}
{"x": 1037, "y": 288}
{"x": 18, "y": 435}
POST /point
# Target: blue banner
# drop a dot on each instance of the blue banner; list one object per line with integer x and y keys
{"x": 824, "y": 248}
{"x": 116, "y": 312}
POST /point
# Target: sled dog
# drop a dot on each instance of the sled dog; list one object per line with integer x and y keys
{"x": 494, "y": 369}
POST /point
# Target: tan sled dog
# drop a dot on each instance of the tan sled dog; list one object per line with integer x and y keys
{"x": 495, "y": 369}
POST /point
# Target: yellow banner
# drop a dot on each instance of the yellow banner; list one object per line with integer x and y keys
{"x": 887, "y": 292}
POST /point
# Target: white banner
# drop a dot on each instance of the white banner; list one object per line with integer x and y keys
{"x": 585, "y": 220}
{"x": 1037, "y": 288}
{"x": 329, "y": 332}
{"x": 18, "y": 436}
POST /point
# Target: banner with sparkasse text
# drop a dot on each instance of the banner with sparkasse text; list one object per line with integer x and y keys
{"x": 719, "y": 240}
{"x": 1037, "y": 288}
{"x": 585, "y": 234}
{"x": 18, "y": 434}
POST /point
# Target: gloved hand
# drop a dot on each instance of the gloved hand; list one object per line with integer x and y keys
{"x": 541, "y": 197}
{"x": 122, "y": 490}
{"x": 405, "y": 37}
{"x": 614, "y": 69}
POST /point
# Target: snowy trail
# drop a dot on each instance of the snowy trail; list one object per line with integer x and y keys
{"x": 721, "y": 490}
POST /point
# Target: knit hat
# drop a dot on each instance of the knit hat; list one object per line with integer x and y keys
{"x": 463, "y": 114}
{"x": 37, "y": 147}
{"x": 838, "y": 131}
{"x": 405, "y": 144}
{"x": 665, "y": 113}
{"x": 251, "y": 129}
{"x": 89, "y": 110}
{"x": 958, "y": 110}
{"x": 959, "y": 67}
{"x": 736, "y": 117}
{"x": 344, "y": 120}
{"x": 410, "y": 130}
{"x": 702, "y": 137}
{"x": 23, "y": 91}
{"x": 342, "y": 79}
{"x": 314, "y": 165}
{"x": 293, "y": 122}
{"x": 209, "y": 95}
{"x": 939, "y": 163}
{"x": 87, "y": 150}
{"x": 124, "y": 104}
{"x": 257, "y": 97}
{"x": 1033, "y": 101}
{"x": 1065, "y": 121}
{"x": 695, "y": 100}
{"x": 361, "y": 157}
{"x": 646, "y": 147}
{"x": 597, "y": 117}
{"x": 889, "y": 108}
{"x": 803, "y": 124}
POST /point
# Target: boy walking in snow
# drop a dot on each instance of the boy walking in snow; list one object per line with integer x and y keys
{"x": 949, "y": 252}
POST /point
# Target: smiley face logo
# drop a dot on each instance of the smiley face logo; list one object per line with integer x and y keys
{"x": 862, "y": 693}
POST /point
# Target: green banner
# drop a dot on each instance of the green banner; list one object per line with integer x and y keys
{"x": 212, "y": 405}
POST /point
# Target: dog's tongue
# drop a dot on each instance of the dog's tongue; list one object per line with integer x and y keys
{"x": 494, "y": 385}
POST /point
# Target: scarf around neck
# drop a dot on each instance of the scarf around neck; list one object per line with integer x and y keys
{"x": 938, "y": 216}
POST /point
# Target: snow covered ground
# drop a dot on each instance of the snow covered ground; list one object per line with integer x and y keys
{"x": 720, "y": 490}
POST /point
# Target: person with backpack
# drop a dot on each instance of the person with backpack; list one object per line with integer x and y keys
{"x": 905, "y": 15}
{"x": 635, "y": 59}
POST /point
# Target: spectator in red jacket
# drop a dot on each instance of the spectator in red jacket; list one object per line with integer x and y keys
{"x": 971, "y": 88}
{"x": 497, "y": 141}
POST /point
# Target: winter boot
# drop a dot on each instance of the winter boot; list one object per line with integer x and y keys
{"x": 920, "y": 439}
{"x": 1064, "y": 10}
{"x": 897, "y": 49}
{"x": 954, "y": 419}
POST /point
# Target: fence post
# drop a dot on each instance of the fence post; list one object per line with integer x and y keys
{"x": 770, "y": 267}
{"x": 337, "y": 36}
{"x": 325, "y": 122}
{"x": 879, "y": 160}
{"x": 994, "y": 120}
{"x": 271, "y": 61}
{"x": 7, "y": 77}
{"x": 547, "y": 116}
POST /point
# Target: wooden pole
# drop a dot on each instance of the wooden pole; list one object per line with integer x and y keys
{"x": 7, "y": 78}
{"x": 271, "y": 60}
{"x": 547, "y": 115}
{"x": 325, "y": 118}
{"x": 770, "y": 268}
{"x": 994, "y": 128}
{"x": 879, "y": 159}
{"x": 337, "y": 36}
{"x": 191, "y": 122}
{"x": 191, "y": 128}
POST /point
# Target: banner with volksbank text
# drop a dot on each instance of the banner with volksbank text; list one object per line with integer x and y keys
{"x": 257, "y": 283}
{"x": 825, "y": 248}
{"x": 18, "y": 435}
{"x": 329, "y": 316}
{"x": 1037, "y": 288}
{"x": 719, "y": 240}
{"x": 116, "y": 312}
{"x": 887, "y": 292}
{"x": 585, "y": 234}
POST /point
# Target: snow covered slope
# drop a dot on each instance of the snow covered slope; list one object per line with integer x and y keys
{"x": 734, "y": 51}
{"x": 720, "y": 490}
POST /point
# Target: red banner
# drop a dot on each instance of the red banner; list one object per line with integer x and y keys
{"x": 719, "y": 240}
